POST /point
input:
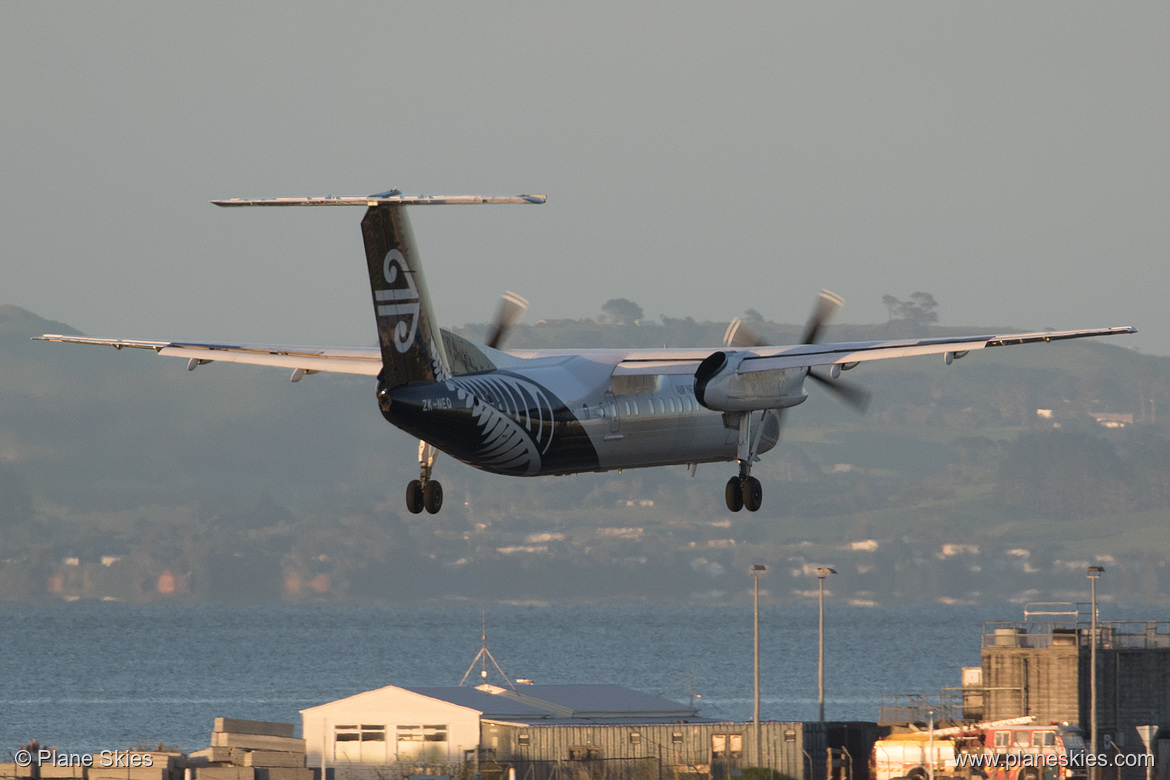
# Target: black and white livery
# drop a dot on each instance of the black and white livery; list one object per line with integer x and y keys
{"x": 537, "y": 412}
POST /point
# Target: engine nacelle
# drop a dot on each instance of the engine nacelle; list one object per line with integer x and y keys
{"x": 720, "y": 387}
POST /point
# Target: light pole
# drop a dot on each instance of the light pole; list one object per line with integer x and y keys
{"x": 1094, "y": 573}
{"x": 757, "y": 571}
{"x": 822, "y": 572}
{"x": 930, "y": 766}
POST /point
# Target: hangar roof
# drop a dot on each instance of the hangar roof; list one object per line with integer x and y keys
{"x": 561, "y": 702}
{"x": 540, "y": 703}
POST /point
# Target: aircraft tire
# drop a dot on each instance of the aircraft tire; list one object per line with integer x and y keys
{"x": 733, "y": 493}
{"x": 414, "y": 497}
{"x": 753, "y": 494}
{"x": 433, "y": 496}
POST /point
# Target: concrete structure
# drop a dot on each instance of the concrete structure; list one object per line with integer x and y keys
{"x": 250, "y": 750}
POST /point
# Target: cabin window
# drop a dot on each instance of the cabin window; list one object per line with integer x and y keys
{"x": 1044, "y": 739}
{"x": 1022, "y": 739}
{"x": 1002, "y": 739}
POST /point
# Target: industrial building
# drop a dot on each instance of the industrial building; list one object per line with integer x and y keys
{"x": 1042, "y": 668}
{"x": 540, "y": 732}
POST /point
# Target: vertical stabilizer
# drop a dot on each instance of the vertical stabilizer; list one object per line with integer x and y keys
{"x": 412, "y": 349}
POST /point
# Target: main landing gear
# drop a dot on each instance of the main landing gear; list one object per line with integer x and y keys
{"x": 424, "y": 492}
{"x": 745, "y": 491}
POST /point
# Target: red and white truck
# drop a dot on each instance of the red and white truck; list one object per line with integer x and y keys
{"x": 998, "y": 750}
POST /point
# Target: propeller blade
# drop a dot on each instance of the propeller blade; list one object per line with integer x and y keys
{"x": 739, "y": 334}
{"x": 853, "y": 395}
{"x": 828, "y": 304}
{"x": 512, "y": 308}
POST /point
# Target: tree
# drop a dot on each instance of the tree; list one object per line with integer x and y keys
{"x": 891, "y": 304}
{"x": 926, "y": 305}
{"x": 620, "y": 311}
{"x": 754, "y": 317}
{"x": 920, "y": 309}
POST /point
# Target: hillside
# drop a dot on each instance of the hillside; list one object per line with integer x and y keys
{"x": 124, "y": 476}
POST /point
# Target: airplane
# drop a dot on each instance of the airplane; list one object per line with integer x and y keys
{"x": 563, "y": 411}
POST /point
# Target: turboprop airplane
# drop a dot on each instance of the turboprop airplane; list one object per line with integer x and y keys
{"x": 559, "y": 411}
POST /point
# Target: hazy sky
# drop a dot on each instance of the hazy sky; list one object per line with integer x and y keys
{"x": 1010, "y": 158}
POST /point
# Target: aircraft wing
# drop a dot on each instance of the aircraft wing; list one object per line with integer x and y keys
{"x": 303, "y": 360}
{"x": 847, "y": 354}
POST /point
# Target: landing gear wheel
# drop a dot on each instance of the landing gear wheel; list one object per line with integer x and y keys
{"x": 753, "y": 493}
{"x": 433, "y": 496}
{"x": 414, "y": 497}
{"x": 734, "y": 494}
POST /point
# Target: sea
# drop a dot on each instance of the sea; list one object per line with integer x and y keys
{"x": 87, "y": 677}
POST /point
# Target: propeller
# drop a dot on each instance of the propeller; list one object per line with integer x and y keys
{"x": 828, "y": 304}
{"x": 512, "y": 308}
{"x": 852, "y": 394}
{"x": 739, "y": 334}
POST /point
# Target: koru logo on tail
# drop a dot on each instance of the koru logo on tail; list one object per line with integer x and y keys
{"x": 400, "y": 302}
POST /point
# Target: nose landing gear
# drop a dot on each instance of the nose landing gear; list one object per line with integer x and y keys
{"x": 424, "y": 492}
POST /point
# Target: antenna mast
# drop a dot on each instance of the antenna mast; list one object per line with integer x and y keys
{"x": 483, "y": 656}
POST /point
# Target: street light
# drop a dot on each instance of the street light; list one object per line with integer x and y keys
{"x": 1094, "y": 573}
{"x": 822, "y": 572}
{"x": 757, "y": 570}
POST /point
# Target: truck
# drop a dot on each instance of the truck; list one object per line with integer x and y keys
{"x": 1054, "y": 752}
{"x": 1011, "y": 749}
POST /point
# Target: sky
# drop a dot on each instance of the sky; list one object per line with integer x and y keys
{"x": 1012, "y": 159}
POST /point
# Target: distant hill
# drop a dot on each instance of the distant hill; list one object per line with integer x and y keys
{"x": 123, "y": 475}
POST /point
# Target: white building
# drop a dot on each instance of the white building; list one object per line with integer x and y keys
{"x": 446, "y": 725}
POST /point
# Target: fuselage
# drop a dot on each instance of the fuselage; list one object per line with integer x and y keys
{"x": 560, "y": 413}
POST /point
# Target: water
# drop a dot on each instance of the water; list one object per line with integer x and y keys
{"x": 90, "y": 677}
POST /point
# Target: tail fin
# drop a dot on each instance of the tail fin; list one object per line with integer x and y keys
{"x": 412, "y": 347}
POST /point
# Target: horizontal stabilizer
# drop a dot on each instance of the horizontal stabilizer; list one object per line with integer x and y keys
{"x": 384, "y": 198}
{"x": 340, "y": 360}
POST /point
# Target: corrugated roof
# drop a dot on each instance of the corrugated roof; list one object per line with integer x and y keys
{"x": 593, "y": 700}
{"x": 490, "y": 705}
{"x": 551, "y": 703}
